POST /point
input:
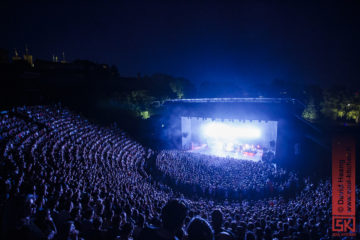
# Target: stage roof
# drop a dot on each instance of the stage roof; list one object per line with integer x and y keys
{"x": 236, "y": 100}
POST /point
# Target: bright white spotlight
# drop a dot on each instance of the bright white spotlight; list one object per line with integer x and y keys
{"x": 247, "y": 132}
{"x": 229, "y": 147}
{"x": 229, "y": 131}
{"x": 219, "y": 145}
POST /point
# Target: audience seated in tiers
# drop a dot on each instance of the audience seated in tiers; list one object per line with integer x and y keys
{"x": 63, "y": 177}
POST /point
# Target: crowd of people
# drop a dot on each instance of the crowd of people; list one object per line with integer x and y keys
{"x": 63, "y": 177}
{"x": 58, "y": 161}
{"x": 221, "y": 177}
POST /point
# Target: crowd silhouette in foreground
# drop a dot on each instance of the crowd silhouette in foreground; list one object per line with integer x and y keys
{"x": 63, "y": 177}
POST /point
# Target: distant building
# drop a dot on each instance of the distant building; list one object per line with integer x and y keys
{"x": 28, "y": 58}
{"x": 54, "y": 65}
{"x": 16, "y": 56}
{"x": 63, "y": 60}
{"x": 55, "y": 59}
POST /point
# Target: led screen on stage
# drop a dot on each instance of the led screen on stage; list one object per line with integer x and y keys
{"x": 239, "y": 139}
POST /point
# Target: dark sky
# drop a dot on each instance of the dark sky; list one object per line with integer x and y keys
{"x": 254, "y": 41}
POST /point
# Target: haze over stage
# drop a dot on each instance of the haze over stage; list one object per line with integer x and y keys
{"x": 245, "y": 140}
{"x": 235, "y": 155}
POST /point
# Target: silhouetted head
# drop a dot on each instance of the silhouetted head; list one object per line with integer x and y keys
{"x": 199, "y": 229}
{"x": 216, "y": 218}
{"x": 173, "y": 215}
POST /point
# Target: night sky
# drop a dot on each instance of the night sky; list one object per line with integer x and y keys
{"x": 209, "y": 41}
